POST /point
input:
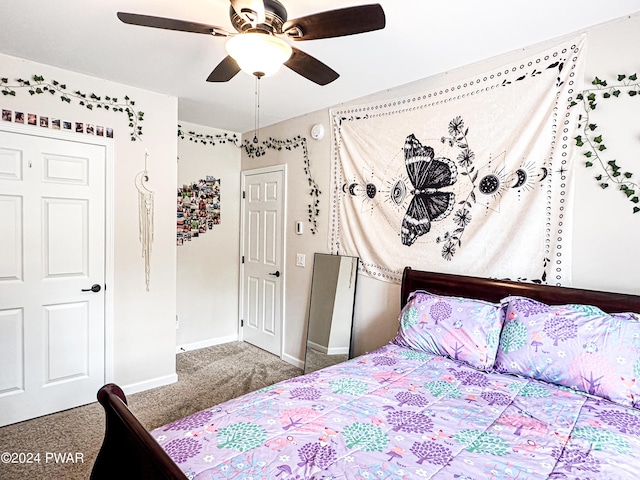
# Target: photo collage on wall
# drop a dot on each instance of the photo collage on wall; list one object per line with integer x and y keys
{"x": 198, "y": 208}
{"x": 56, "y": 123}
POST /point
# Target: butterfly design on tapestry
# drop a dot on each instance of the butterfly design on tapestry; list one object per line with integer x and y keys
{"x": 427, "y": 175}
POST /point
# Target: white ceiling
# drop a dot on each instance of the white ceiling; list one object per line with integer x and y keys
{"x": 421, "y": 38}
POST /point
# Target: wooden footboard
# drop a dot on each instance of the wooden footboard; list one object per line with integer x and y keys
{"x": 128, "y": 450}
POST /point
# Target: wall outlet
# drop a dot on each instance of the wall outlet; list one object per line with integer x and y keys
{"x": 300, "y": 259}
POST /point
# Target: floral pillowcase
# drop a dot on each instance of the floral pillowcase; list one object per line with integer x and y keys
{"x": 456, "y": 327}
{"x": 577, "y": 346}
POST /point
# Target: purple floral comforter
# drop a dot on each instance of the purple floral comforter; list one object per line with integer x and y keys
{"x": 401, "y": 414}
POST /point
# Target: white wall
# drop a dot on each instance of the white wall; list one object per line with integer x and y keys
{"x": 605, "y": 232}
{"x": 208, "y": 266}
{"x": 143, "y": 330}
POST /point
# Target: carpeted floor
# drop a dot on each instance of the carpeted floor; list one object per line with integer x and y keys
{"x": 205, "y": 377}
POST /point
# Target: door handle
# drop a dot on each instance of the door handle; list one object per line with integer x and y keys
{"x": 276, "y": 273}
{"x": 95, "y": 288}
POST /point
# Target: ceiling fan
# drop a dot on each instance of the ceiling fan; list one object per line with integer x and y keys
{"x": 257, "y": 47}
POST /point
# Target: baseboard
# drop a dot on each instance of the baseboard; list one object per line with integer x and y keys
{"x": 296, "y": 362}
{"x": 317, "y": 347}
{"x": 210, "y": 342}
{"x": 338, "y": 351}
{"x": 149, "y": 384}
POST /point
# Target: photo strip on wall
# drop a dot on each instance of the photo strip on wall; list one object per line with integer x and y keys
{"x": 55, "y": 123}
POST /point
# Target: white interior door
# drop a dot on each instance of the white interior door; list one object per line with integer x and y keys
{"x": 263, "y": 280}
{"x": 52, "y": 247}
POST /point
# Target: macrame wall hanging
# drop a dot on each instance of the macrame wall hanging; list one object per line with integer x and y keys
{"x": 145, "y": 218}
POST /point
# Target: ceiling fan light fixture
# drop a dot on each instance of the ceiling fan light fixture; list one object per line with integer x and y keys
{"x": 258, "y": 54}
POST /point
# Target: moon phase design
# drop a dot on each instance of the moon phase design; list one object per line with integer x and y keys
{"x": 522, "y": 178}
{"x": 489, "y": 184}
{"x": 371, "y": 190}
{"x": 545, "y": 172}
{"x": 355, "y": 189}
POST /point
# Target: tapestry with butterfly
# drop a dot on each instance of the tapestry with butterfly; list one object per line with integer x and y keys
{"x": 474, "y": 178}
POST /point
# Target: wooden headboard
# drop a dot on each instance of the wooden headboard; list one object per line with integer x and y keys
{"x": 494, "y": 290}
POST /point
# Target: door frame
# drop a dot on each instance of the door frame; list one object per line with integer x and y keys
{"x": 108, "y": 144}
{"x": 283, "y": 248}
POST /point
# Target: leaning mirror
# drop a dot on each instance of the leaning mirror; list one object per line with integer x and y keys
{"x": 331, "y": 311}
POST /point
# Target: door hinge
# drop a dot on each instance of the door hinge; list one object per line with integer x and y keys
{"x": 243, "y": 194}
{"x": 241, "y": 323}
{"x": 242, "y": 258}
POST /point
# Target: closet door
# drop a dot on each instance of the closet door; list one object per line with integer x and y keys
{"x": 52, "y": 274}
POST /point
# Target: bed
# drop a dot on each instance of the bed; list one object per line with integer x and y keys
{"x": 486, "y": 379}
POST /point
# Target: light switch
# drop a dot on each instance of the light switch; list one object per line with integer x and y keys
{"x": 300, "y": 259}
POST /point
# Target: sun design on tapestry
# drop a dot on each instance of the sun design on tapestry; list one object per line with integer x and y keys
{"x": 497, "y": 181}
{"x": 441, "y": 180}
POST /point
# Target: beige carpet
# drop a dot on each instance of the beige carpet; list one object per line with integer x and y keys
{"x": 206, "y": 377}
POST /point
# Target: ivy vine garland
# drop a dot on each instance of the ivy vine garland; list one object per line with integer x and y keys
{"x": 610, "y": 172}
{"x": 212, "y": 140}
{"x": 38, "y": 86}
{"x": 254, "y": 150}
{"x": 314, "y": 192}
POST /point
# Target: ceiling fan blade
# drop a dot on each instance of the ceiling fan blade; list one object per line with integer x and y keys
{"x": 225, "y": 71}
{"x": 336, "y": 23}
{"x": 250, "y": 10}
{"x": 311, "y": 68}
{"x": 171, "y": 24}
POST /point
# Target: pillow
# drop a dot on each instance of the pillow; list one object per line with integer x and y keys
{"x": 577, "y": 346}
{"x": 456, "y": 327}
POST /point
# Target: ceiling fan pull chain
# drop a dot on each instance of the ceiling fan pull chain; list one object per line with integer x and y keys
{"x": 257, "y": 110}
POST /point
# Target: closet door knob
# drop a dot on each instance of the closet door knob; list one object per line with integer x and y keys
{"x": 95, "y": 288}
{"x": 276, "y": 273}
